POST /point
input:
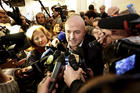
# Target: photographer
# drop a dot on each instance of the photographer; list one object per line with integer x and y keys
{"x": 42, "y": 20}
{"x": 56, "y": 16}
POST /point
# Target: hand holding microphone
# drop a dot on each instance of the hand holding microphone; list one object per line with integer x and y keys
{"x": 57, "y": 68}
{"x": 70, "y": 75}
{"x": 43, "y": 86}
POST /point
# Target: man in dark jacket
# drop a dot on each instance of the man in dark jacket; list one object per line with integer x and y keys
{"x": 82, "y": 44}
{"x": 103, "y": 14}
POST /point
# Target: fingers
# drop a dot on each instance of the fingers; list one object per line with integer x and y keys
{"x": 81, "y": 71}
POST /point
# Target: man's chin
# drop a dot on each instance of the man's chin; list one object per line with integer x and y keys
{"x": 73, "y": 45}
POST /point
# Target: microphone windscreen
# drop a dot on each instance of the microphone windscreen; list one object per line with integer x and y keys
{"x": 61, "y": 36}
{"x": 57, "y": 53}
{"x": 61, "y": 47}
{"x": 73, "y": 62}
{"x": 116, "y": 22}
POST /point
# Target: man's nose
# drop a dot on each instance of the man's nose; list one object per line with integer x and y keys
{"x": 71, "y": 35}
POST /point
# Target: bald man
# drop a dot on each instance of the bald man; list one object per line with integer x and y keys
{"x": 81, "y": 43}
{"x": 78, "y": 40}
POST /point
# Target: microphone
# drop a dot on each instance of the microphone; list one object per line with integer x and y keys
{"x": 47, "y": 52}
{"x": 61, "y": 47}
{"x": 61, "y": 36}
{"x": 59, "y": 62}
{"x": 50, "y": 60}
{"x": 73, "y": 62}
{"x": 116, "y": 22}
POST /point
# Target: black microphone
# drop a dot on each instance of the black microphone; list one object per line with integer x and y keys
{"x": 57, "y": 68}
{"x": 116, "y": 22}
{"x": 61, "y": 47}
{"x": 73, "y": 62}
{"x": 50, "y": 60}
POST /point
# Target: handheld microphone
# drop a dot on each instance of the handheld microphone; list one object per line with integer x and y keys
{"x": 59, "y": 62}
{"x": 73, "y": 62}
{"x": 61, "y": 36}
{"x": 47, "y": 52}
{"x": 51, "y": 60}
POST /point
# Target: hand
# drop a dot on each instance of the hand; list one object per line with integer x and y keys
{"x": 21, "y": 73}
{"x": 70, "y": 75}
{"x": 43, "y": 86}
{"x": 3, "y": 77}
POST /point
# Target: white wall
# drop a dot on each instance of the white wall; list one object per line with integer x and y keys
{"x": 32, "y": 7}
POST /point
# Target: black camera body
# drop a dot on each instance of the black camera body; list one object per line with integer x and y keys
{"x": 62, "y": 12}
{"x": 11, "y": 45}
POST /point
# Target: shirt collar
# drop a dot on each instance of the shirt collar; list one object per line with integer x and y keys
{"x": 70, "y": 49}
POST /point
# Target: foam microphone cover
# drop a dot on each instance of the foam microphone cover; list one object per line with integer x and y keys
{"x": 61, "y": 36}
{"x": 116, "y": 22}
{"x": 73, "y": 62}
{"x": 56, "y": 53}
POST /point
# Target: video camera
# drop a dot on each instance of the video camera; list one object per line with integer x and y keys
{"x": 62, "y": 10}
{"x": 123, "y": 54}
{"x": 130, "y": 23}
{"x": 127, "y": 53}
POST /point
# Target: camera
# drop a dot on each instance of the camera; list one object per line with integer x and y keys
{"x": 10, "y": 45}
{"x": 126, "y": 54}
{"x": 62, "y": 10}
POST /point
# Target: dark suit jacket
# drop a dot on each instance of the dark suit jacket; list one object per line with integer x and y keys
{"x": 92, "y": 55}
{"x": 104, "y": 15}
{"x": 93, "y": 59}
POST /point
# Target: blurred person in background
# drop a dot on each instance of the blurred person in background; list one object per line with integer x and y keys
{"x": 113, "y": 11}
{"x": 102, "y": 13}
{"x": 41, "y": 20}
{"x": 56, "y": 16}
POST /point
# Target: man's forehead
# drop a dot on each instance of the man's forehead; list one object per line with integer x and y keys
{"x": 72, "y": 27}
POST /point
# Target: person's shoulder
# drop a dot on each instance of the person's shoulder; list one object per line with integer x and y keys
{"x": 89, "y": 37}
